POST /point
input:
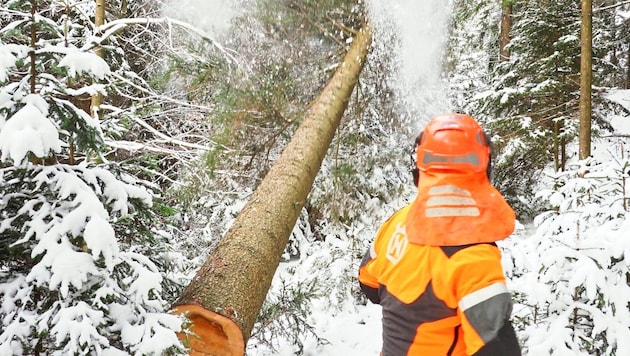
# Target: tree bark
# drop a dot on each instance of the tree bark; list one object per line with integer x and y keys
{"x": 224, "y": 298}
{"x": 556, "y": 145}
{"x": 32, "y": 55}
{"x": 586, "y": 75}
{"x": 99, "y": 20}
{"x": 506, "y": 26}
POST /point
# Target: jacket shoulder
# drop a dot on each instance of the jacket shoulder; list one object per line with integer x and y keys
{"x": 449, "y": 251}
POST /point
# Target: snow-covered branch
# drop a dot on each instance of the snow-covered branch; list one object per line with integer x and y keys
{"x": 604, "y": 8}
{"x": 112, "y": 27}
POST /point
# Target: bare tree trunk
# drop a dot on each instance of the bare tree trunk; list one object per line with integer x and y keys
{"x": 563, "y": 154}
{"x": 556, "y": 145}
{"x": 224, "y": 298}
{"x": 586, "y": 75}
{"x": 99, "y": 20}
{"x": 33, "y": 68}
{"x": 123, "y": 8}
{"x": 506, "y": 26}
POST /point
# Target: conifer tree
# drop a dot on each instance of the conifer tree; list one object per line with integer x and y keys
{"x": 573, "y": 271}
{"x": 81, "y": 264}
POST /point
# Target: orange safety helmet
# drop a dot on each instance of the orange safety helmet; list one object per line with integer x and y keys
{"x": 456, "y": 203}
{"x": 452, "y": 143}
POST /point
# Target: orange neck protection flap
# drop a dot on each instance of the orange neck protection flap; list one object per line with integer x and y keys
{"x": 458, "y": 209}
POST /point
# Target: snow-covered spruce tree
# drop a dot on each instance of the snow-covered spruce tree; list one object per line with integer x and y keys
{"x": 610, "y": 27}
{"x": 80, "y": 263}
{"x": 473, "y": 71}
{"x": 481, "y": 85}
{"x": 575, "y": 268}
{"x": 472, "y": 51}
{"x": 530, "y": 103}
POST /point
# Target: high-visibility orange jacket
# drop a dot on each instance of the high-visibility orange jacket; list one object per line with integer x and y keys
{"x": 440, "y": 299}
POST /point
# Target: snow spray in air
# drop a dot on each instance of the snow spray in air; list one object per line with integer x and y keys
{"x": 212, "y": 16}
{"x": 414, "y": 31}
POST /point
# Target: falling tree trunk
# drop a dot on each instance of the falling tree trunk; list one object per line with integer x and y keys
{"x": 586, "y": 75}
{"x": 99, "y": 20}
{"x": 224, "y": 298}
{"x": 506, "y": 26}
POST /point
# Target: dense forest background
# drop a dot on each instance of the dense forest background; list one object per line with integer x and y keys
{"x": 127, "y": 150}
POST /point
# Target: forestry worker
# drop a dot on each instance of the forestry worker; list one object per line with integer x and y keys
{"x": 434, "y": 266}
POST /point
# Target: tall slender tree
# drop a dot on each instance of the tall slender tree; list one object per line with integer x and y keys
{"x": 99, "y": 20}
{"x": 586, "y": 78}
{"x": 506, "y": 26}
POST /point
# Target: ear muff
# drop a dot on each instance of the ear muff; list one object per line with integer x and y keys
{"x": 488, "y": 143}
{"x": 415, "y": 172}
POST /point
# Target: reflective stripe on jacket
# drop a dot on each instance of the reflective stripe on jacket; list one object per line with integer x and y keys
{"x": 436, "y": 300}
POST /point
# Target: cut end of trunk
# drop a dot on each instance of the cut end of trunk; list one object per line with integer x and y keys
{"x": 210, "y": 333}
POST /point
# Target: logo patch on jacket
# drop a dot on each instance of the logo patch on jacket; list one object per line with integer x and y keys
{"x": 397, "y": 244}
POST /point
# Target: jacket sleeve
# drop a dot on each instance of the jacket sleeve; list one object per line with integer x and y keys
{"x": 368, "y": 282}
{"x": 505, "y": 343}
{"x": 484, "y": 302}
{"x": 369, "y": 269}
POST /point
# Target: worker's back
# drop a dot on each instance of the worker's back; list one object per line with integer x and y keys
{"x": 419, "y": 288}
